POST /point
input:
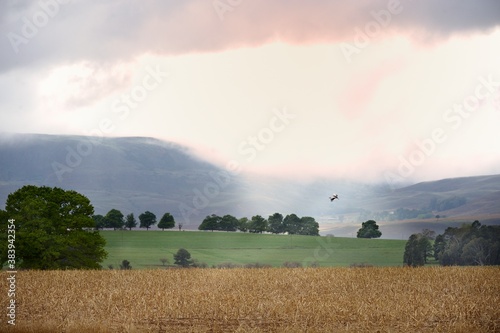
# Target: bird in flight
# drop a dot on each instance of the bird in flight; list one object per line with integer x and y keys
{"x": 334, "y": 196}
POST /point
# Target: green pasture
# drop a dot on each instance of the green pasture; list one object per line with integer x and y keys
{"x": 144, "y": 249}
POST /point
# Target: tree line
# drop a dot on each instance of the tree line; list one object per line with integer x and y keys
{"x": 51, "y": 228}
{"x": 276, "y": 224}
{"x": 116, "y": 220}
{"x": 471, "y": 244}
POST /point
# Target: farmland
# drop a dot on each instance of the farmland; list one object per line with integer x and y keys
{"x": 144, "y": 249}
{"x": 325, "y": 299}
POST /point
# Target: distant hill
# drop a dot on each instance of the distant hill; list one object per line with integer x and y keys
{"x": 480, "y": 196}
{"x": 130, "y": 174}
{"x": 136, "y": 174}
{"x": 481, "y": 193}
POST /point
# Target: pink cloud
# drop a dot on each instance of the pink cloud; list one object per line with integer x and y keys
{"x": 105, "y": 31}
{"x": 362, "y": 88}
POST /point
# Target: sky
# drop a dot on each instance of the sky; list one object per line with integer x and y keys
{"x": 393, "y": 91}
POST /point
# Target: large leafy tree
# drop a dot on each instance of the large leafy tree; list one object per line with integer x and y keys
{"x": 183, "y": 258}
{"x": 130, "y": 221}
{"x": 211, "y": 222}
{"x": 369, "y": 229}
{"x": 100, "y": 222}
{"x": 477, "y": 251}
{"x": 309, "y": 226}
{"x": 439, "y": 246}
{"x": 291, "y": 224}
{"x": 114, "y": 219}
{"x": 54, "y": 230}
{"x": 229, "y": 223}
{"x": 275, "y": 223}
{"x": 258, "y": 224}
{"x": 417, "y": 249}
{"x": 147, "y": 219}
{"x": 167, "y": 222}
{"x": 3, "y": 217}
{"x": 243, "y": 224}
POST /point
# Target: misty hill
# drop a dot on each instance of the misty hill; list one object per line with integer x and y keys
{"x": 130, "y": 174}
{"x": 136, "y": 174}
{"x": 481, "y": 195}
{"x": 475, "y": 198}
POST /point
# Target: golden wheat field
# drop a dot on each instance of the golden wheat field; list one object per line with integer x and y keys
{"x": 396, "y": 299}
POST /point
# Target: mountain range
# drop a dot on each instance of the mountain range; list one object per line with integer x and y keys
{"x": 136, "y": 174}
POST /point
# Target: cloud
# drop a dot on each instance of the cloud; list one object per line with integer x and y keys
{"x": 72, "y": 60}
{"x": 48, "y": 31}
{"x": 82, "y": 84}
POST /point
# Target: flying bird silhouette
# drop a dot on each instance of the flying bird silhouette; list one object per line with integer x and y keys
{"x": 334, "y": 196}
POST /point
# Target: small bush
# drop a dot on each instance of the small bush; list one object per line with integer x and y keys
{"x": 292, "y": 264}
{"x": 198, "y": 264}
{"x": 257, "y": 265}
{"x": 226, "y": 265}
{"x": 125, "y": 265}
{"x": 360, "y": 265}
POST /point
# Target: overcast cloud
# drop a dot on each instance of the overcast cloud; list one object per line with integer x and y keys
{"x": 122, "y": 30}
{"x": 372, "y": 89}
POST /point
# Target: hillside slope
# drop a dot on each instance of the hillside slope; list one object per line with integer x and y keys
{"x": 130, "y": 174}
{"x": 481, "y": 193}
{"x": 138, "y": 174}
{"x": 481, "y": 196}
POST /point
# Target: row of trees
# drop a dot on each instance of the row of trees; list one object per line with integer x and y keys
{"x": 470, "y": 244}
{"x": 116, "y": 220}
{"x": 276, "y": 224}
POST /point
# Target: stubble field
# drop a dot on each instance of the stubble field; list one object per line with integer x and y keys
{"x": 385, "y": 299}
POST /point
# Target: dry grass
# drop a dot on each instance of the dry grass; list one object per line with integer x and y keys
{"x": 371, "y": 299}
